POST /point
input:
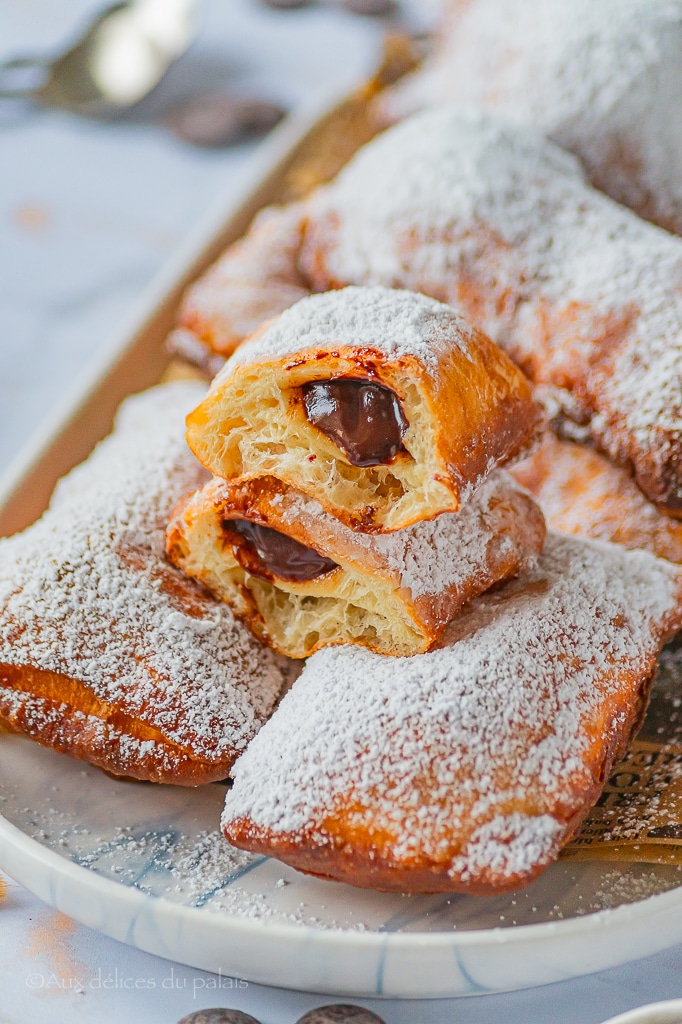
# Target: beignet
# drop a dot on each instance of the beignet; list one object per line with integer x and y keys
{"x": 601, "y": 78}
{"x": 107, "y": 652}
{"x": 302, "y": 580}
{"x": 469, "y": 767}
{"x": 385, "y": 406}
{"x": 255, "y": 280}
{"x": 583, "y": 493}
{"x": 502, "y": 225}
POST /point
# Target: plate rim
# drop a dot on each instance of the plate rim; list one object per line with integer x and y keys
{"x": 37, "y": 852}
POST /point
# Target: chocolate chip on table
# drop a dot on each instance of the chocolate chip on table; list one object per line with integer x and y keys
{"x": 219, "y": 1015}
{"x": 340, "y": 1013}
{"x": 372, "y": 7}
{"x": 215, "y": 119}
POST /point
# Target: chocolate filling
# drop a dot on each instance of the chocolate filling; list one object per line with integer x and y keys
{"x": 267, "y": 553}
{"x": 365, "y": 420}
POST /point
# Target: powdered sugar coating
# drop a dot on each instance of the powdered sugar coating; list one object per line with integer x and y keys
{"x": 431, "y": 557}
{"x": 501, "y": 224}
{"x": 86, "y": 593}
{"x": 484, "y": 745}
{"x": 395, "y": 323}
{"x": 602, "y": 78}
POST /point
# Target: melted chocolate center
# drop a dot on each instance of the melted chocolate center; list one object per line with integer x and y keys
{"x": 365, "y": 420}
{"x": 269, "y": 553}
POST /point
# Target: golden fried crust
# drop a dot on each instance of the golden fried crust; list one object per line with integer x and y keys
{"x": 391, "y": 593}
{"x": 468, "y": 407}
{"x": 62, "y": 713}
{"x": 254, "y": 280}
{"x": 109, "y": 653}
{"x": 467, "y": 768}
{"x": 583, "y": 493}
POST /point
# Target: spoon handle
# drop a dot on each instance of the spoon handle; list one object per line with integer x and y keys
{"x": 23, "y": 77}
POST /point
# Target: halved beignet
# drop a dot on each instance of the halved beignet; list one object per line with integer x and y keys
{"x": 384, "y": 406}
{"x": 107, "y": 652}
{"x": 302, "y": 580}
{"x": 583, "y": 493}
{"x": 469, "y": 767}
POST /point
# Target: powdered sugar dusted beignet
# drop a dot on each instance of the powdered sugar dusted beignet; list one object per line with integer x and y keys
{"x": 581, "y": 293}
{"x": 256, "y": 279}
{"x": 602, "y": 78}
{"x": 302, "y": 580}
{"x": 385, "y": 406}
{"x": 107, "y": 652}
{"x": 583, "y": 493}
{"x": 469, "y": 767}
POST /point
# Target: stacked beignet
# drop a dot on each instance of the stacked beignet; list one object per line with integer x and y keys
{"x": 355, "y": 441}
{"x": 107, "y": 652}
{"x": 383, "y": 405}
{"x": 302, "y": 580}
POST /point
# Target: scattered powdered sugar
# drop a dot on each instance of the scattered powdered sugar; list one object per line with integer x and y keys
{"x": 395, "y": 323}
{"x": 433, "y": 556}
{"x": 600, "y": 77}
{"x": 485, "y": 740}
{"x": 618, "y": 888}
{"x": 86, "y": 592}
{"x": 498, "y": 222}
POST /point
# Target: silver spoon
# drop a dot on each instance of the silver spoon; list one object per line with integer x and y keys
{"x": 121, "y": 57}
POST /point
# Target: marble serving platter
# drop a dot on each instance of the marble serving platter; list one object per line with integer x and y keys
{"x": 146, "y": 864}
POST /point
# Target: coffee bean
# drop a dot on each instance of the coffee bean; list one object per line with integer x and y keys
{"x": 373, "y": 8}
{"x": 286, "y": 4}
{"x": 219, "y": 1016}
{"x": 340, "y": 1013}
{"x": 215, "y": 119}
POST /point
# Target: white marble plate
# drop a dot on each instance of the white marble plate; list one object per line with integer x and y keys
{"x": 655, "y": 1013}
{"x": 146, "y": 865}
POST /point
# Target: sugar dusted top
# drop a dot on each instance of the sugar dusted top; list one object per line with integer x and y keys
{"x": 602, "y": 78}
{"x": 86, "y": 591}
{"x": 395, "y": 323}
{"x": 487, "y": 739}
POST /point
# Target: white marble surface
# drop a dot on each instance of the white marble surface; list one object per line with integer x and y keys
{"x": 90, "y": 211}
{"x": 89, "y": 214}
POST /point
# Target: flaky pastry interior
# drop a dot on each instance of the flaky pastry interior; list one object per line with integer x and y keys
{"x": 391, "y": 593}
{"x": 467, "y": 407}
